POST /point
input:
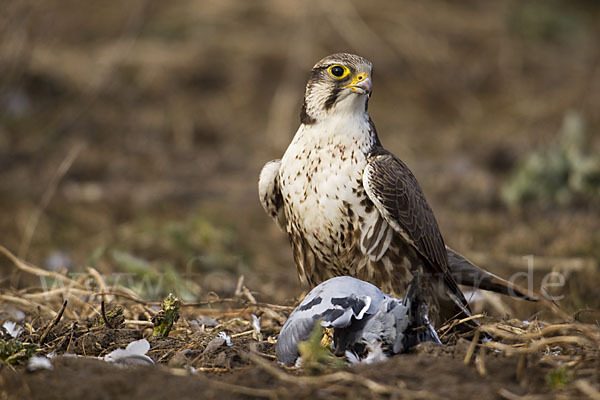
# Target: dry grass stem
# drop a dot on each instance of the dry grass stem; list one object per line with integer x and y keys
{"x": 587, "y": 389}
{"x": 35, "y": 270}
{"x": 53, "y": 323}
{"x": 34, "y": 219}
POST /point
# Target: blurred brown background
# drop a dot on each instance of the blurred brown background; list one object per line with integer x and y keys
{"x": 132, "y": 133}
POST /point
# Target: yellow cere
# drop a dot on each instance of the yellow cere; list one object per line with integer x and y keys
{"x": 357, "y": 79}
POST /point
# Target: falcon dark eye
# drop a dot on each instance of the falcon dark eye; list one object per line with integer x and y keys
{"x": 338, "y": 71}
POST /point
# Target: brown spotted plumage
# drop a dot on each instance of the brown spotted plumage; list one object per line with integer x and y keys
{"x": 349, "y": 206}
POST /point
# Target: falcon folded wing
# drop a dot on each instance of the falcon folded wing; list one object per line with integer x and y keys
{"x": 396, "y": 194}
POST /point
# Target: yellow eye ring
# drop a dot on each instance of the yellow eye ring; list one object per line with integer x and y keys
{"x": 337, "y": 71}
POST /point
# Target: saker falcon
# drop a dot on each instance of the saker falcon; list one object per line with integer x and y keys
{"x": 350, "y": 207}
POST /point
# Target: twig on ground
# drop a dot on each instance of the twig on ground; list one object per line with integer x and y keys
{"x": 498, "y": 330}
{"x": 28, "y": 304}
{"x": 506, "y": 394}
{"x": 103, "y": 310}
{"x": 535, "y": 346}
{"x": 138, "y": 323}
{"x": 37, "y": 271}
{"x": 521, "y": 366}
{"x": 54, "y": 321}
{"x": 246, "y": 333}
{"x": 446, "y": 328}
{"x": 47, "y": 295}
{"x": 98, "y": 277}
{"x": 237, "y": 301}
{"x": 318, "y": 380}
{"x": 336, "y": 377}
{"x": 242, "y": 291}
{"x": 71, "y": 333}
{"x": 586, "y": 388}
{"x": 128, "y": 296}
{"x": 480, "y": 362}
{"x": 471, "y": 350}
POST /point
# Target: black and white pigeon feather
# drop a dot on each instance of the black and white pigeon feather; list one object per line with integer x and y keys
{"x": 368, "y": 325}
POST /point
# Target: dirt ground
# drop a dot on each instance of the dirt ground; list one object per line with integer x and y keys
{"x": 77, "y": 325}
{"x": 132, "y": 135}
{"x": 557, "y": 361}
{"x": 410, "y": 376}
{"x": 454, "y": 380}
{"x": 560, "y": 360}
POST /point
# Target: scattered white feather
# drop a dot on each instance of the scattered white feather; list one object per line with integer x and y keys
{"x": 256, "y": 323}
{"x": 139, "y": 347}
{"x": 227, "y": 338}
{"x": 53, "y": 354}
{"x": 13, "y": 313}
{"x": 134, "y": 352}
{"x": 37, "y": 363}
{"x": 352, "y": 358}
{"x": 12, "y": 328}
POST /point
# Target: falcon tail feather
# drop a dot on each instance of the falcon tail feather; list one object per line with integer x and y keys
{"x": 467, "y": 273}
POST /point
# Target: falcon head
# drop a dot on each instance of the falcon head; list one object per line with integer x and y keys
{"x": 339, "y": 83}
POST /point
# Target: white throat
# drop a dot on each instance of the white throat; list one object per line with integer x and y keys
{"x": 346, "y": 124}
{"x": 347, "y": 105}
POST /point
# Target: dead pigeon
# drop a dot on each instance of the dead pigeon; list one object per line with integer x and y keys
{"x": 368, "y": 325}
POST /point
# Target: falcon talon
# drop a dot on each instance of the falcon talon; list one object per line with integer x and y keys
{"x": 327, "y": 339}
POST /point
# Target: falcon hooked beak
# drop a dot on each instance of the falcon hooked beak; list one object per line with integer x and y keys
{"x": 361, "y": 84}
